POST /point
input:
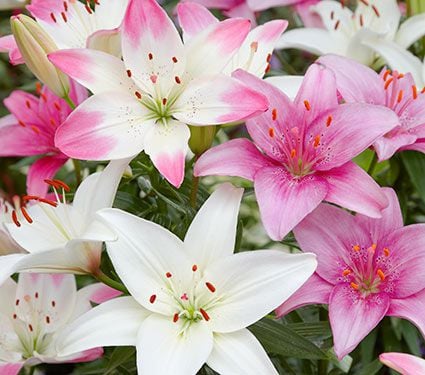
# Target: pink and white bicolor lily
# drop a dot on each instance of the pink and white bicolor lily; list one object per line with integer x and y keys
{"x": 30, "y": 130}
{"x": 34, "y": 311}
{"x": 358, "y": 83}
{"x": 60, "y": 237}
{"x": 370, "y": 31}
{"x": 368, "y": 268}
{"x": 146, "y": 101}
{"x": 304, "y": 152}
{"x": 194, "y": 297}
{"x": 405, "y": 364}
{"x": 254, "y": 54}
{"x": 73, "y": 24}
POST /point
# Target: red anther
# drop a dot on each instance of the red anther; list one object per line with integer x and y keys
{"x": 204, "y": 314}
{"x": 15, "y": 219}
{"x": 153, "y": 78}
{"x": 194, "y": 268}
{"x": 400, "y": 96}
{"x": 150, "y": 56}
{"x": 129, "y": 73}
{"x": 337, "y": 25}
{"x": 177, "y": 79}
{"x": 43, "y": 96}
{"x": 48, "y": 319}
{"x": 274, "y": 114}
{"x": 47, "y": 201}
{"x": 57, "y": 106}
{"x": 21, "y": 123}
{"x": 365, "y": 2}
{"x": 176, "y": 317}
{"x": 26, "y": 198}
{"x": 328, "y": 121}
{"x": 316, "y": 140}
{"x": 174, "y": 59}
{"x": 332, "y": 15}
{"x": 168, "y": 275}
{"x": 164, "y": 101}
{"x": 307, "y": 105}
{"x": 361, "y": 20}
{"x": 30, "y": 328}
{"x": 210, "y": 287}
{"x": 138, "y": 95}
{"x": 400, "y": 76}
{"x": 268, "y": 67}
{"x": 36, "y": 295}
{"x": 269, "y": 57}
{"x": 17, "y": 302}
{"x": 27, "y": 217}
{"x": 52, "y": 121}
{"x": 38, "y": 87}
{"x": 423, "y": 90}
{"x": 375, "y": 9}
{"x": 414, "y": 92}
{"x": 271, "y": 132}
{"x": 88, "y": 9}
{"x": 65, "y": 6}
{"x": 15, "y": 316}
{"x": 96, "y": 2}
{"x": 152, "y": 298}
{"x": 387, "y": 83}
{"x": 28, "y": 104}
{"x": 52, "y": 16}
{"x": 62, "y": 184}
{"x": 64, "y": 17}
{"x": 53, "y": 303}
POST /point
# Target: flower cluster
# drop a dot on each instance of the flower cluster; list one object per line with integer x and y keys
{"x": 171, "y": 106}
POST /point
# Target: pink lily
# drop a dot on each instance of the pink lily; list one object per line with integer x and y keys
{"x": 393, "y": 90}
{"x": 304, "y": 154}
{"x": 72, "y": 24}
{"x": 146, "y": 101}
{"x": 368, "y": 268}
{"x": 255, "y": 52}
{"x": 35, "y": 311}
{"x": 406, "y": 364}
{"x": 30, "y": 130}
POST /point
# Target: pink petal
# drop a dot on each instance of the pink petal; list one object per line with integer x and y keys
{"x": 8, "y": 44}
{"x": 318, "y": 92}
{"x": 354, "y": 127}
{"x": 351, "y": 187}
{"x": 102, "y": 293}
{"x": 355, "y": 82}
{"x": 410, "y": 308}
{"x": 194, "y": 18}
{"x": 11, "y": 368}
{"x": 238, "y": 157}
{"x": 259, "y": 127}
{"x": 391, "y": 218}
{"x": 218, "y": 4}
{"x": 44, "y": 168}
{"x": 42, "y": 9}
{"x": 404, "y": 363}
{"x": 353, "y": 317}
{"x": 218, "y": 100}
{"x": 330, "y": 233}
{"x": 285, "y": 201}
{"x": 258, "y": 5}
{"x": 241, "y": 10}
{"x": 17, "y": 101}
{"x": 389, "y": 144}
{"x": 314, "y": 291}
{"x": 407, "y": 259}
{"x": 308, "y": 17}
{"x": 87, "y": 356}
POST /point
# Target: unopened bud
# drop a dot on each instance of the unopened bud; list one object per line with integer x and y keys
{"x": 201, "y": 138}
{"x": 34, "y": 44}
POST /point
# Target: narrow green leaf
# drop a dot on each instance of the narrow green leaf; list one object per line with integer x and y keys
{"x": 414, "y": 163}
{"x": 119, "y": 356}
{"x": 371, "y": 369}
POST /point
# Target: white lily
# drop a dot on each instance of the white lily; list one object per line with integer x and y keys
{"x": 61, "y": 237}
{"x": 197, "y": 295}
{"x": 7, "y": 245}
{"x": 359, "y": 35}
{"x": 34, "y": 311}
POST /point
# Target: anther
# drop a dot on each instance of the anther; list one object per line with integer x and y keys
{"x": 293, "y": 153}
{"x": 152, "y": 298}
{"x": 175, "y": 317}
{"x": 361, "y": 20}
{"x": 15, "y": 219}
{"x": 88, "y": 9}
{"x": 204, "y": 314}
{"x": 47, "y": 201}
{"x": 423, "y": 90}
{"x": 365, "y": 2}
{"x": 150, "y": 56}
{"x": 337, "y": 25}
{"x": 21, "y": 123}
{"x": 28, "y": 104}
{"x": 57, "y": 106}
{"x": 174, "y": 59}
{"x": 35, "y": 129}
{"x": 354, "y": 286}
{"x": 153, "y": 78}
{"x": 17, "y": 302}
{"x": 356, "y": 248}
{"x": 332, "y": 15}
{"x": 400, "y": 96}
{"x": 36, "y": 295}
{"x": 414, "y": 92}
{"x": 168, "y": 275}
{"x": 387, "y": 83}
{"x": 346, "y": 272}
{"x": 274, "y": 114}
{"x": 307, "y": 105}
{"x": 271, "y": 132}
{"x": 194, "y": 268}
{"x": 38, "y": 87}
{"x": 128, "y": 73}
{"x": 48, "y": 319}
{"x": 177, "y": 79}
{"x": 386, "y": 251}
{"x": 138, "y": 95}
{"x": 52, "y": 16}
{"x": 373, "y": 246}
{"x": 53, "y": 303}
{"x": 269, "y": 57}
{"x": 316, "y": 140}
{"x": 64, "y": 17}
{"x": 184, "y": 297}
{"x": 268, "y": 67}
{"x": 15, "y": 316}
{"x": 65, "y": 6}
{"x": 62, "y": 184}
{"x": 30, "y": 328}
{"x": 328, "y": 121}
{"x": 26, "y": 215}
{"x": 210, "y": 287}
{"x": 375, "y": 9}
{"x": 380, "y": 274}
{"x": 164, "y": 101}
{"x": 385, "y": 76}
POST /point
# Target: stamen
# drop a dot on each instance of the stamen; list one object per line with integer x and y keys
{"x": 373, "y": 246}
{"x": 386, "y": 251}
{"x": 177, "y": 79}
{"x": 400, "y": 96}
{"x": 30, "y": 328}
{"x": 52, "y": 16}
{"x": 361, "y": 20}
{"x": 400, "y": 76}
{"x": 423, "y": 90}
{"x": 53, "y": 303}
{"x": 354, "y": 286}
{"x": 48, "y": 319}
{"x": 15, "y": 316}
{"x": 307, "y": 105}
{"x": 380, "y": 274}
{"x": 64, "y": 17}
{"x": 15, "y": 219}
{"x": 35, "y": 129}
{"x": 38, "y": 87}
{"x": 269, "y": 57}
{"x": 210, "y": 287}
{"x": 268, "y": 67}
{"x": 356, "y": 248}
{"x": 385, "y": 76}
{"x": 57, "y": 106}
{"x": 17, "y": 302}
{"x": 194, "y": 268}
{"x": 26, "y": 216}
{"x": 138, "y": 95}
{"x": 36, "y": 295}
{"x": 365, "y": 2}
{"x": 88, "y": 9}
{"x": 414, "y": 92}
{"x": 316, "y": 140}
{"x": 129, "y": 73}
{"x": 184, "y": 297}
{"x": 21, "y": 123}
{"x": 48, "y": 201}
{"x": 62, "y": 184}
{"x": 387, "y": 83}
{"x": 375, "y": 9}
{"x": 293, "y": 153}
{"x": 153, "y": 78}
{"x": 274, "y": 114}
{"x": 168, "y": 275}
{"x": 164, "y": 101}
{"x": 346, "y": 272}
{"x": 174, "y": 59}
{"x": 176, "y": 317}
{"x": 254, "y": 46}
{"x": 150, "y": 56}
{"x": 28, "y": 104}
{"x": 204, "y": 314}
{"x": 329, "y": 121}
{"x": 337, "y": 25}
{"x": 271, "y": 132}
{"x": 332, "y": 15}
{"x": 65, "y": 6}
{"x": 152, "y": 298}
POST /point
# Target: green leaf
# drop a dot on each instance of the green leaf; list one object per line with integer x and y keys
{"x": 311, "y": 330}
{"x": 414, "y": 163}
{"x": 280, "y": 339}
{"x": 371, "y": 368}
{"x": 119, "y": 356}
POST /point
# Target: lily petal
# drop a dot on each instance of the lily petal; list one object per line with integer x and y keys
{"x": 353, "y": 317}
{"x": 8, "y": 265}
{"x": 411, "y": 30}
{"x": 8, "y": 44}
{"x": 163, "y": 349}
{"x": 404, "y": 363}
{"x": 239, "y": 353}
{"x": 290, "y": 85}
{"x": 387, "y": 146}
{"x": 194, "y": 18}
{"x": 285, "y": 201}
{"x": 10, "y": 368}
{"x": 108, "y": 41}
{"x": 8, "y": 296}
{"x": 271, "y": 275}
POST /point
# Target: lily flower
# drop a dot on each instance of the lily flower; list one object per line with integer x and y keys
{"x": 73, "y": 24}
{"x": 368, "y": 268}
{"x": 30, "y": 130}
{"x": 194, "y": 297}
{"x": 60, "y": 237}
{"x": 146, "y": 101}
{"x": 406, "y": 364}
{"x": 34, "y": 311}
{"x": 304, "y": 152}
{"x": 394, "y": 90}
{"x": 255, "y": 52}
{"x": 360, "y": 35}
{"x": 7, "y": 245}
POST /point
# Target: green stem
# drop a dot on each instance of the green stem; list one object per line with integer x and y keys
{"x": 373, "y": 163}
{"x": 195, "y": 187}
{"x": 322, "y": 364}
{"x": 31, "y": 370}
{"x": 70, "y": 102}
{"x": 100, "y": 276}
{"x": 77, "y": 170}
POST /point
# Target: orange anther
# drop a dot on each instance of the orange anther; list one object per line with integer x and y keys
{"x": 380, "y": 274}
{"x": 15, "y": 219}
{"x": 400, "y": 96}
{"x": 387, "y": 83}
{"x": 346, "y": 272}
{"x": 356, "y": 248}
{"x": 307, "y": 105}
{"x": 354, "y": 286}
{"x": 414, "y": 92}
{"x": 386, "y": 251}
{"x": 329, "y": 121}
{"x": 385, "y": 76}
{"x": 26, "y": 215}
{"x": 274, "y": 114}
{"x": 316, "y": 140}
{"x": 293, "y": 153}
{"x": 271, "y": 132}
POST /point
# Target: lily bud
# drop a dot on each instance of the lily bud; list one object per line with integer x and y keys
{"x": 201, "y": 138}
{"x": 34, "y": 44}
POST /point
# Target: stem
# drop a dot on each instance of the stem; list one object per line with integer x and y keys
{"x": 70, "y": 102}
{"x": 372, "y": 164}
{"x": 100, "y": 276}
{"x": 77, "y": 169}
{"x": 195, "y": 187}
{"x": 322, "y": 364}
{"x": 31, "y": 370}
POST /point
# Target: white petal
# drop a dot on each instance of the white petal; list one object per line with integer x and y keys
{"x": 8, "y": 265}
{"x": 339, "y": 13}
{"x": 110, "y": 13}
{"x": 142, "y": 256}
{"x": 290, "y": 85}
{"x": 251, "y": 284}
{"x": 239, "y": 353}
{"x": 411, "y": 30}
{"x": 108, "y": 41}
{"x": 163, "y": 349}
{"x": 7, "y": 296}
{"x": 212, "y": 234}
{"x": 113, "y": 323}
